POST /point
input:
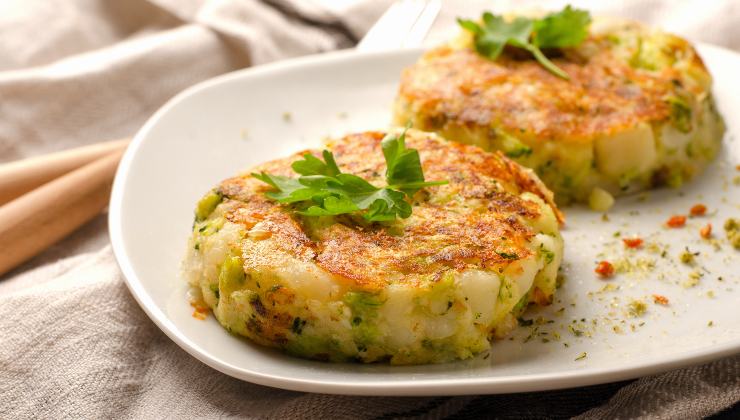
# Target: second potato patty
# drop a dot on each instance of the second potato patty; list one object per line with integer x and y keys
{"x": 637, "y": 111}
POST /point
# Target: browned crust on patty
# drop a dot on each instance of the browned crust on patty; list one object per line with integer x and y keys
{"x": 604, "y": 95}
{"x": 475, "y": 221}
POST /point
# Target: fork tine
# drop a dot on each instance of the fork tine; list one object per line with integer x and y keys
{"x": 425, "y": 21}
{"x": 394, "y": 26}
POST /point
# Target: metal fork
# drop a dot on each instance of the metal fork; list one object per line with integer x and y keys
{"x": 404, "y": 25}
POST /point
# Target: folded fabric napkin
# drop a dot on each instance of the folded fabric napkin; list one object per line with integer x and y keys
{"x": 74, "y": 343}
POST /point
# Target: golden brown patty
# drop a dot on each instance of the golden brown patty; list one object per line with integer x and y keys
{"x": 603, "y": 96}
{"x": 433, "y": 287}
{"x": 635, "y": 98}
{"x": 469, "y": 223}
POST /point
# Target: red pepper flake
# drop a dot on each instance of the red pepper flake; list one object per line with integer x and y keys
{"x": 676, "y": 221}
{"x": 199, "y": 312}
{"x": 698, "y": 210}
{"x": 706, "y": 231}
{"x": 604, "y": 269}
{"x": 660, "y": 299}
{"x": 737, "y": 168}
{"x": 632, "y": 242}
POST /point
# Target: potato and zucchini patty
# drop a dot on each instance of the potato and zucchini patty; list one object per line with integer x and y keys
{"x": 431, "y": 288}
{"x": 637, "y": 111}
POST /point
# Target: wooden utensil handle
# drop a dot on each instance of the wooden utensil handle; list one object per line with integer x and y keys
{"x": 38, "y": 219}
{"x": 19, "y": 177}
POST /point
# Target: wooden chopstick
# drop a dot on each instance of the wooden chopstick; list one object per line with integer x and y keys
{"x": 22, "y": 176}
{"x": 34, "y": 221}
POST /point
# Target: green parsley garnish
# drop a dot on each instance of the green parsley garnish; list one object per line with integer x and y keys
{"x": 566, "y": 28}
{"x": 323, "y": 190}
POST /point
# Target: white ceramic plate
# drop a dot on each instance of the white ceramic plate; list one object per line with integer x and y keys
{"x": 222, "y": 126}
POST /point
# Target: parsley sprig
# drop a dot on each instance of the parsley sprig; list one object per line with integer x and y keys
{"x": 566, "y": 28}
{"x": 323, "y": 190}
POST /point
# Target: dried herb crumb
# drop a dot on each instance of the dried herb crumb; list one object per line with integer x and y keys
{"x": 687, "y": 257}
{"x": 525, "y": 322}
{"x": 637, "y": 308}
{"x": 693, "y": 280}
{"x": 581, "y": 356}
{"x": 575, "y": 331}
{"x": 732, "y": 230}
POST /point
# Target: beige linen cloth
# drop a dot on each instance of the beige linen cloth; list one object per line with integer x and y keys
{"x": 74, "y": 343}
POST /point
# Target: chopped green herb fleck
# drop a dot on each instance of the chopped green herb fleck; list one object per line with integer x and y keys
{"x": 207, "y": 204}
{"x": 680, "y": 114}
{"x": 298, "y": 325}
{"x": 214, "y": 289}
{"x": 547, "y": 254}
{"x": 525, "y": 322}
{"x": 575, "y": 331}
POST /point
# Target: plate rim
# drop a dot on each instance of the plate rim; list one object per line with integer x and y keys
{"x": 409, "y": 387}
